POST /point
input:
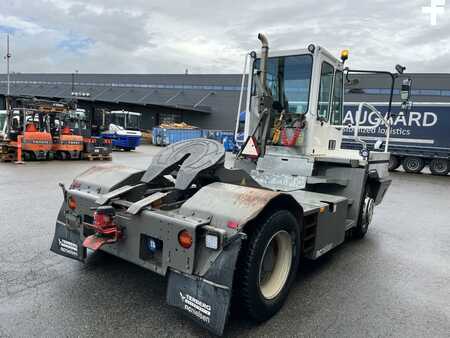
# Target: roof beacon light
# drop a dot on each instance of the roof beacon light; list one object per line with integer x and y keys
{"x": 344, "y": 55}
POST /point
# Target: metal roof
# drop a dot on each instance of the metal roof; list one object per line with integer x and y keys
{"x": 188, "y": 92}
{"x": 206, "y": 93}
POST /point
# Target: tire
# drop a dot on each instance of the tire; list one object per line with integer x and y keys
{"x": 413, "y": 165}
{"x": 26, "y": 156}
{"x": 439, "y": 166}
{"x": 365, "y": 215}
{"x": 394, "y": 163}
{"x": 273, "y": 244}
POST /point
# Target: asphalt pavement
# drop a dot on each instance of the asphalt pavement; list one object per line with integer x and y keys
{"x": 395, "y": 282}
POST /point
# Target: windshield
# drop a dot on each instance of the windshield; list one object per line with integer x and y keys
{"x": 127, "y": 120}
{"x": 134, "y": 122}
{"x": 118, "y": 119}
{"x": 289, "y": 79}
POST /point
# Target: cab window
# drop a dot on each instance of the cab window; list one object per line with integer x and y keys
{"x": 326, "y": 83}
{"x": 338, "y": 98}
{"x": 289, "y": 79}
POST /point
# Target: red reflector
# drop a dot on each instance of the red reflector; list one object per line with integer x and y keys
{"x": 232, "y": 224}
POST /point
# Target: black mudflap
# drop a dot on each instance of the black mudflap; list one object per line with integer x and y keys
{"x": 67, "y": 242}
{"x": 206, "y": 300}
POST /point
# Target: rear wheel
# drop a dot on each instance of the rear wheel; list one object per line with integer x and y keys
{"x": 394, "y": 163}
{"x": 413, "y": 164}
{"x": 268, "y": 265}
{"x": 439, "y": 166}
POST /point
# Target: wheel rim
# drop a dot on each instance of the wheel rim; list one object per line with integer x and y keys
{"x": 413, "y": 164}
{"x": 275, "y": 264}
{"x": 439, "y": 165}
{"x": 368, "y": 212}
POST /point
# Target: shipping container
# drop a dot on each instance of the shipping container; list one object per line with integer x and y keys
{"x": 164, "y": 136}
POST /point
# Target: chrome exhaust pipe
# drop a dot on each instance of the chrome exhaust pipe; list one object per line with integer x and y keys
{"x": 264, "y": 57}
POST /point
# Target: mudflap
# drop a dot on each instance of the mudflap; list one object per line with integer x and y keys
{"x": 67, "y": 242}
{"x": 206, "y": 299}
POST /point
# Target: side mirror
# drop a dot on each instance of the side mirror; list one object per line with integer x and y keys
{"x": 400, "y": 69}
{"x": 405, "y": 93}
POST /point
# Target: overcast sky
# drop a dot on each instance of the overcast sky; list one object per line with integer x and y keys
{"x": 211, "y": 36}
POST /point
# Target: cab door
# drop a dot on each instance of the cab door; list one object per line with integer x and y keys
{"x": 326, "y": 137}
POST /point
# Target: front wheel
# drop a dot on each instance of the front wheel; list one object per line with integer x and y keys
{"x": 268, "y": 264}
{"x": 365, "y": 215}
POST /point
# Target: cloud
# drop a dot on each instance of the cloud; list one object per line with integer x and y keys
{"x": 75, "y": 44}
{"x": 140, "y": 36}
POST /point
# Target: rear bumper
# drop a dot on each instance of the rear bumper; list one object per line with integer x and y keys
{"x": 205, "y": 299}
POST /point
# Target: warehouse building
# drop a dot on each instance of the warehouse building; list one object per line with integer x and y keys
{"x": 207, "y": 101}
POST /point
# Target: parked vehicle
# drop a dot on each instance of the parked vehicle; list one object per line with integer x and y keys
{"x": 43, "y": 130}
{"x": 122, "y": 128}
{"x": 66, "y": 129}
{"x": 94, "y": 147}
{"x": 419, "y": 137}
{"x": 215, "y": 231}
{"x": 25, "y": 131}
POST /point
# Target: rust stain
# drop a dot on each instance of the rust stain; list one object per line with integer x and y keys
{"x": 255, "y": 197}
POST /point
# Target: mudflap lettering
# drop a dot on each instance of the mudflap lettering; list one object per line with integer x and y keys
{"x": 67, "y": 242}
{"x": 206, "y": 299}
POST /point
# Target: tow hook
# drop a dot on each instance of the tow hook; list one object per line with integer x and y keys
{"x": 106, "y": 230}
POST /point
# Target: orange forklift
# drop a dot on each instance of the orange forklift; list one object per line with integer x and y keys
{"x": 26, "y": 134}
{"x": 65, "y": 128}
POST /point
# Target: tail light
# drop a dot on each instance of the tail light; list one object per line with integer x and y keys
{"x": 185, "y": 239}
{"x": 104, "y": 216}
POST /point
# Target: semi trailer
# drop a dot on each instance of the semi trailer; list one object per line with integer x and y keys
{"x": 419, "y": 136}
{"x": 237, "y": 227}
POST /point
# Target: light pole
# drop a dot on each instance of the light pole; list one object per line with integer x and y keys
{"x": 8, "y": 56}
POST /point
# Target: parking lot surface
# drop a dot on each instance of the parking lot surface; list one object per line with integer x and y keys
{"x": 395, "y": 282}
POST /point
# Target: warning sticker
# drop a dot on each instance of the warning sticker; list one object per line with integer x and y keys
{"x": 68, "y": 247}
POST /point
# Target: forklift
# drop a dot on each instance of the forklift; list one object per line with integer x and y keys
{"x": 26, "y": 132}
{"x": 65, "y": 127}
{"x": 75, "y": 136}
{"x": 236, "y": 227}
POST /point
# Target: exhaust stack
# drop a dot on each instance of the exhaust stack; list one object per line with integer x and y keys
{"x": 264, "y": 56}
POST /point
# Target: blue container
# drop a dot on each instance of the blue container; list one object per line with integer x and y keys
{"x": 164, "y": 137}
{"x": 126, "y": 142}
